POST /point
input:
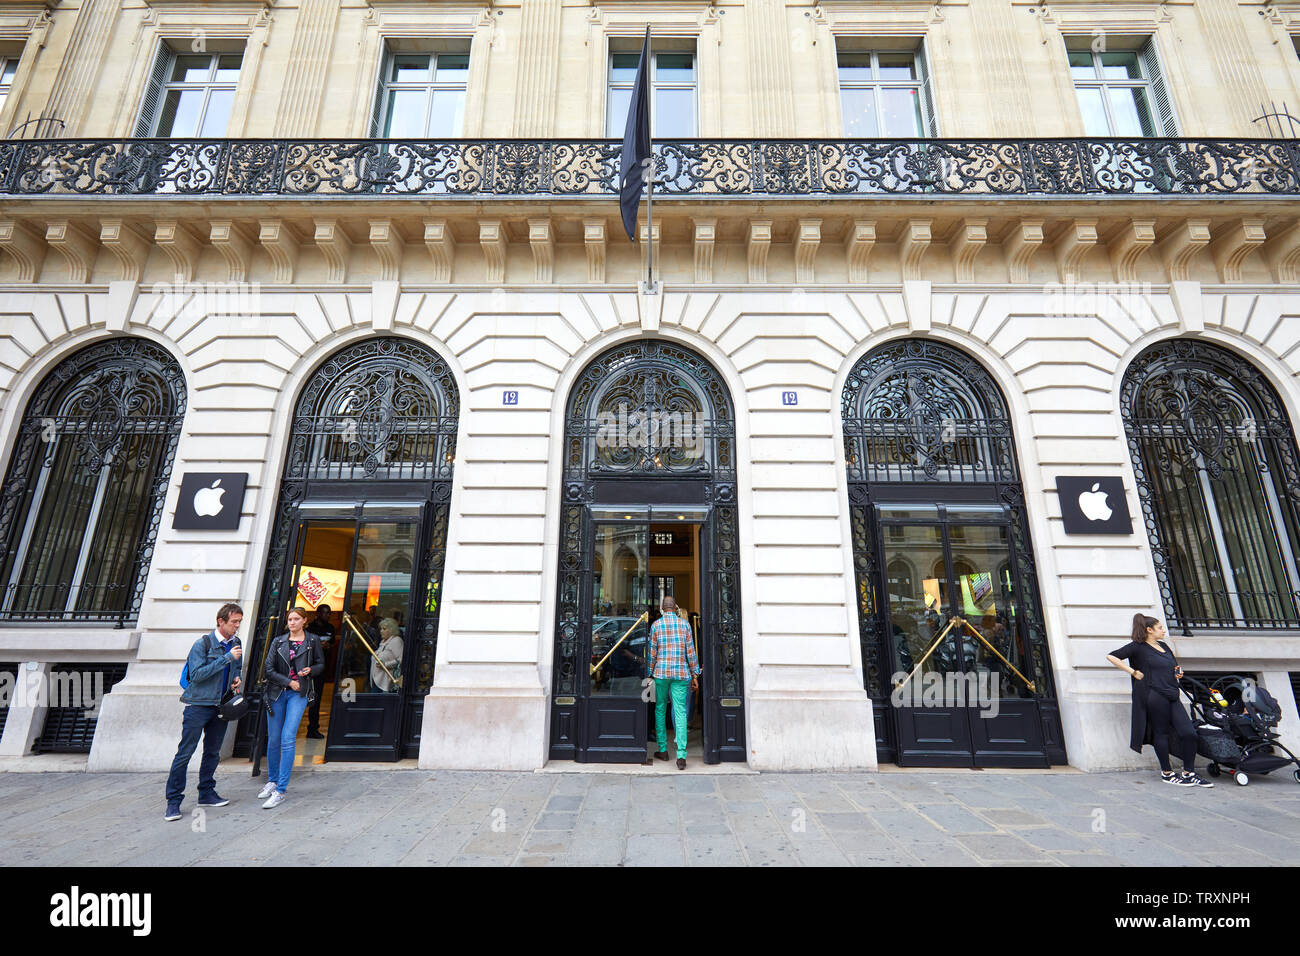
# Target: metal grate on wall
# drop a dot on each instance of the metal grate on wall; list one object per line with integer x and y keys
{"x": 10, "y": 668}
{"x": 70, "y": 728}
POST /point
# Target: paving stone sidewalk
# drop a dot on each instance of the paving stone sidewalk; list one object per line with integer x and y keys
{"x": 541, "y": 819}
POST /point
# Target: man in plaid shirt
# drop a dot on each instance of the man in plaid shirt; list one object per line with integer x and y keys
{"x": 676, "y": 670}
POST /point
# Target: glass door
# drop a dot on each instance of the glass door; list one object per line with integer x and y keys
{"x": 961, "y": 690}
{"x": 351, "y": 577}
{"x": 616, "y": 725}
{"x": 369, "y": 667}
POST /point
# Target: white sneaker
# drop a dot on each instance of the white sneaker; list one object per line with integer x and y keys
{"x": 277, "y": 798}
{"x": 266, "y": 791}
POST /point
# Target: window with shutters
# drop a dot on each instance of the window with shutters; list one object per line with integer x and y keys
{"x": 884, "y": 93}
{"x": 189, "y": 94}
{"x": 1119, "y": 87}
{"x": 422, "y": 93}
{"x": 673, "y": 104}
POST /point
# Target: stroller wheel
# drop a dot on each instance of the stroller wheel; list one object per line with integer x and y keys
{"x": 1213, "y": 770}
{"x": 1241, "y": 778}
{"x": 1296, "y": 774}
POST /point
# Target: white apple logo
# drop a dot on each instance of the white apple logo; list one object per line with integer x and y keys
{"x": 1093, "y": 504}
{"x": 207, "y": 501}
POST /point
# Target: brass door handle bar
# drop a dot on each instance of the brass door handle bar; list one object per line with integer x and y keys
{"x": 601, "y": 663}
{"x": 983, "y": 640}
{"x": 928, "y": 651}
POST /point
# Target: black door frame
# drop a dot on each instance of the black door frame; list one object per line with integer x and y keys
{"x": 397, "y": 701}
{"x": 723, "y": 716}
{"x": 721, "y": 721}
{"x": 589, "y": 750}
{"x": 968, "y": 725}
{"x": 318, "y": 510}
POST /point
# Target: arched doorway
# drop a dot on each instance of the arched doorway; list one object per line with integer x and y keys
{"x": 648, "y": 508}
{"x": 361, "y": 529}
{"x": 1218, "y": 475}
{"x": 954, "y": 649}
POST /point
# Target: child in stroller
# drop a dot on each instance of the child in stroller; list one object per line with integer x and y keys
{"x": 1234, "y": 719}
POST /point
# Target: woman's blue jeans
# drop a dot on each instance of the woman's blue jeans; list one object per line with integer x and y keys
{"x": 281, "y": 736}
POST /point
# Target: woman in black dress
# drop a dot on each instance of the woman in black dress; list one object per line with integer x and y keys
{"x": 1157, "y": 711}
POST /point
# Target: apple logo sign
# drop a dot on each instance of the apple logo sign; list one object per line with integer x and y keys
{"x": 207, "y": 501}
{"x": 1091, "y": 503}
{"x": 210, "y": 501}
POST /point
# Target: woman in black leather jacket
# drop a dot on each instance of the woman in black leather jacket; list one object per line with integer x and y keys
{"x": 293, "y": 663}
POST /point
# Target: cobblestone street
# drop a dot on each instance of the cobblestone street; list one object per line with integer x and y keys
{"x": 414, "y": 817}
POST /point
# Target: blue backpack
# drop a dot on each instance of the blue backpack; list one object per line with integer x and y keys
{"x": 185, "y": 671}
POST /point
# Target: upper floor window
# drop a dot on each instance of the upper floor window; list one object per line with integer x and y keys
{"x": 82, "y": 502}
{"x": 422, "y": 95}
{"x": 1120, "y": 91}
{"x": 189, "y": 94}
{"x": 672, "y": 89}
{"x": 885, "y": 94}
{"x": 8, "y": 68}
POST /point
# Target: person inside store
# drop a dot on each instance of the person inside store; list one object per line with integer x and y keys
{"x": 1158, "y": 713}
{"x": 676, "y": 672}
{"x": 294, "y": 664}
{"x": 324, "y": 630}
{"x": 389, "y": 652}
{"x": 211, "y": 669}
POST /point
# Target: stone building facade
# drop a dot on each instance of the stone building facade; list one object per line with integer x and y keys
{"x": 917, "y": 261}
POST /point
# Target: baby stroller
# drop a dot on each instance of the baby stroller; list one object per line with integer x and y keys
{"x": 1234, "y": 720}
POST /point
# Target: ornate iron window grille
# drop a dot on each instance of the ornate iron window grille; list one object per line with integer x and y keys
{"x": 1218, "y": 476}
{"x": 385, "y": 409}
{"x": 655, "y": 381}
{"x": 83, "y": 499}
{"x": 384, "y": 167}
{"x": 920, "y": 412}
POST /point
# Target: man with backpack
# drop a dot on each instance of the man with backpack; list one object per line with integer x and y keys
{"x": 208, "y": 673}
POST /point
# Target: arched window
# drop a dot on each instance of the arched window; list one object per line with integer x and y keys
{"x": 650, "y": 409}
{"x": 384, "y": 409}
{"x": 1218, "y": 476}
{"x": 83, "y": 498}
{"x": 923, "y": 411}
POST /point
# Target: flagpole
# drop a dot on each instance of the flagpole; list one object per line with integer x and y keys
{"x": 650, "y": 191}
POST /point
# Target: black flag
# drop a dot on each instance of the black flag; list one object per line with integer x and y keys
{"x": 636, "y": 143}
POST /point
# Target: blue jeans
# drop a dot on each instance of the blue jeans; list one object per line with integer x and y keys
{"x": 281, "y": 737}
{"x": 199, "y": 720}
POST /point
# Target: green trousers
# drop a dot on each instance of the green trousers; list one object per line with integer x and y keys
{"x": 679, "y": 689}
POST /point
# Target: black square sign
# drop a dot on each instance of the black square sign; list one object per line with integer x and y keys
{"x": 1093, "y": 505}
{"x": 210, "y": 501}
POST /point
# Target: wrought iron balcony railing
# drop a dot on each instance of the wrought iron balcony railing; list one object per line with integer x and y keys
{"x": 695, "y": 168}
